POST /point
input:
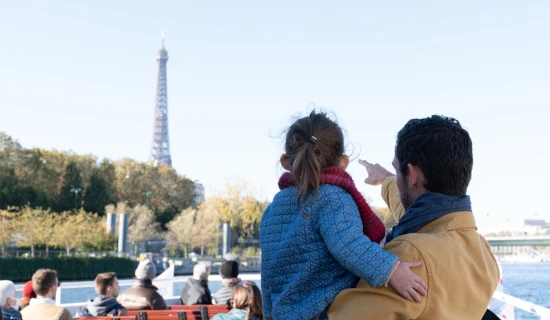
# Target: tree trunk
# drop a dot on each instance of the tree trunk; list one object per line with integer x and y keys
{"x": 32, "y": 250}
{"x": 47, "y": 250}
{"x": 202, "y": 250}
{"x": 185, "y": 251}
{"x": 68, "y": 249}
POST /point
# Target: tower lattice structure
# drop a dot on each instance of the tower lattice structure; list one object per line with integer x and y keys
{"x": 160, "y": 146}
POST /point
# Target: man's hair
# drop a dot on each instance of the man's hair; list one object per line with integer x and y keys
{"x": 43, "y": 280}
{"x": 441, "y": 148}
{"x": 102, "y": 281}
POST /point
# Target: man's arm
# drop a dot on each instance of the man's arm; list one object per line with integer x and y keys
{"x": 367, "y": 302}
{"x": 390, "y": 194}
{"x": 378, "y": 175}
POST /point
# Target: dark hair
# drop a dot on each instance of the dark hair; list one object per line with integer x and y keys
{"x": 312, "y": 143}
{"x": 104, "y": 280}
{"x": 248, "y": 297}
{"x": 441, "y": 148}
{"x": 43, "y": 280}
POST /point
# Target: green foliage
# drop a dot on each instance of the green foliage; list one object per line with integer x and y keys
{"x": 386, "y": 216}
{"x": 73, "y": 268}
{"x": 72, "y": 179}
{"x": 95, "y": 197}
{"x": 45, "y": 178}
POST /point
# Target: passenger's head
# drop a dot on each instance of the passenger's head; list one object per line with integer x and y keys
{"x": 313, "y": 143}
{"x": 106, "y": 284}
{"x": 248, "y": 297}
{"x": 45, "y": 283}
{"x": 201, "y": 271}
{"x": 146, "y": 270}
{"x": 433, "y": 154}
{"x": 8, "y": 295}
{"x": 229, "y": 269}
{"x": 28, "y": 294}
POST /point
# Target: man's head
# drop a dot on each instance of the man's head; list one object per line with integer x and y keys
{"x": 229, "y": 269}
{"x": 146, "y": 270}
{"x": 8, "y": 294}
{"x": 106, "y": 284}
{"x": 433, "y": 154}
{"x": 201, "y": 271}
{"x": 45, "y": 283}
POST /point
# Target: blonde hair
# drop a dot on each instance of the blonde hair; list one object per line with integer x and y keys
{"x": 247, "y": 297}
{"x": 201, "y": 271}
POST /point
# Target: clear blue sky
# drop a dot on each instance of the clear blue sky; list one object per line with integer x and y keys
{"x": 81, "y": 76}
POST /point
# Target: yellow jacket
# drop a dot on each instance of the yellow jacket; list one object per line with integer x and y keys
{"x": 457, "y": 265}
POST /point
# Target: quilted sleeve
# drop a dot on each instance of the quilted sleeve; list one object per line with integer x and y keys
{"x": 341, "y": 228}
{"x": 266, "y": 299}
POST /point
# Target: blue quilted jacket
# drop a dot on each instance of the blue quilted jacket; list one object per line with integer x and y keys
{"x": 308, "y": 259}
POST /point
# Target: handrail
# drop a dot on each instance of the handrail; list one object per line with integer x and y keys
{"x": 542, "y": 312}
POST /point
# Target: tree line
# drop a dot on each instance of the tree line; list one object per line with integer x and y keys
{"x": 63, "y": 181}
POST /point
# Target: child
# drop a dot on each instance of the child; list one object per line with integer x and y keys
{"x": 246, "y": 303}
{"x": 315, "y": 234}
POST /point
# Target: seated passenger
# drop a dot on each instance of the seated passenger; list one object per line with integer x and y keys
{"x": 229, "y": 270}
{"x": 45, "y": 284}
{"x": 143, "y": 294}
{"x": 106, "y": 286}
{"x": 196, "y": 289}
{"x": 433, "y": 161}
{"x": 246, "y": 303}
{"x": 28, "y": 294}
{"x": 8, "y": 301}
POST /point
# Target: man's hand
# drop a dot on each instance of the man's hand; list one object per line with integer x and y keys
{"x": 377, "y": 173}
{"x": 408, "y": 284}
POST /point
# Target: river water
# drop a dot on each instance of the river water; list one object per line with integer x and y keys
{"x": 530, "y": 282}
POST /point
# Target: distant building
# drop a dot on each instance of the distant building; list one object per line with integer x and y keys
{"x": 199, "y": 192}
{"x": 536, "y": 226}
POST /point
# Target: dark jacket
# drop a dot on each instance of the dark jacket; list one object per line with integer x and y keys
{"x": 224, "y": 295}
{"x": 10, "y": 314}
{"x": 195, "y": 292}
{"x": 142, "y": 295}
{"x": 101, "y": 306}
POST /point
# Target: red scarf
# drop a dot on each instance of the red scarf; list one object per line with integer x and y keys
{"x": 372, "y": 225}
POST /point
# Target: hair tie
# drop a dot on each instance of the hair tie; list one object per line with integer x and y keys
{"x": 313, "y": 140}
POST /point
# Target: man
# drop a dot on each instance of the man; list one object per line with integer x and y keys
{"x": 45, "y": 284}
{"x": 229, "y": 270}
{"x": 8, "y": 301}
{"x": 106, "y": 286}
{"x": 433, "y": 161}
{"x": 143, "y": 294}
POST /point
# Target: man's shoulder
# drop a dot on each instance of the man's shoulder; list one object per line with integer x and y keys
{"x": 46, "y": 311}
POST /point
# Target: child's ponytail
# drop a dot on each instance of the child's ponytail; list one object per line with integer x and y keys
{"x": 313, "y": 144}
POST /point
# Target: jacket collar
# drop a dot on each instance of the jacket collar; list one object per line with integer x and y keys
{"x": 140, "y": 283}
{"x": 450, "y": 222}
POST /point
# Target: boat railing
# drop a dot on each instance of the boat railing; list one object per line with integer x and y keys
{"x": 542, "y": 312}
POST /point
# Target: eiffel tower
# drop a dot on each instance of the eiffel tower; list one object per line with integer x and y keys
{"x": 160, "y": 146}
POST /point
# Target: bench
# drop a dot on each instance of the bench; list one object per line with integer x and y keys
{"x": 107, "y": 318}
{"x": 181, "y": 312}
{"x": 211, "y": 310}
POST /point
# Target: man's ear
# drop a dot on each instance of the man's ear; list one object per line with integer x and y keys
{"x": 416, "y": 177}
{"x": 344, "y": 162}
{"x": 284, "y": 162}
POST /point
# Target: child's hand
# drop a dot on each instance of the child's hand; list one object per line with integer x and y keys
{"x": 377, "y": 173}
{"x": 408, "y": 284}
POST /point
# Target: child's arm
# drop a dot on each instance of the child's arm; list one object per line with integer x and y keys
{"x": 342, "y": 231}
